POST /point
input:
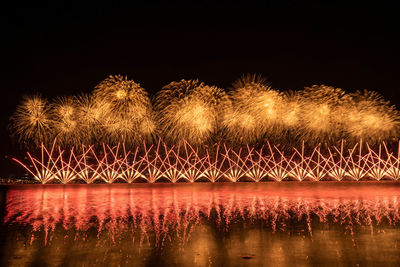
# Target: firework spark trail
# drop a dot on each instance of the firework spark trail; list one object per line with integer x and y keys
{"x": 188, "y": 163}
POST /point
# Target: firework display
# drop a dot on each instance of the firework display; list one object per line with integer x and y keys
{"x": 159, "y": 162}
{"x": 190, "y": 110}
{"x": 31, "y": 121}
{"x": 193, "y": 132}
{"x": 120, "y": 111}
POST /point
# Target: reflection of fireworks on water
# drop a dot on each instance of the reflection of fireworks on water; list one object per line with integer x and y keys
{"x": 158, "y": 214}
{"x": 120, "y": 111}
{"x": 185, "y": 162}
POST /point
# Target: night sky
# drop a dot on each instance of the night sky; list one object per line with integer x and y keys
{"x": 62, "y": 49}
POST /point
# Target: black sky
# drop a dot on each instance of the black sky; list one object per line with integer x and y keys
{"x": 66, "y": 48}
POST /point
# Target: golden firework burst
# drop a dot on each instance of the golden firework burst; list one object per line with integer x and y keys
{"x": 255, "y": 112}
{"x": 31, "y": 122}
{"x": 190, "y": 110}
{"x": 128, "y": 115}
{"x": 371, "y": 118}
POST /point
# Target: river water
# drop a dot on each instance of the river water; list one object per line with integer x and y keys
{"x": 201, "y": 224}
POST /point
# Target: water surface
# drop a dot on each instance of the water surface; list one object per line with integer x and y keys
{"x": 224, "y": 224}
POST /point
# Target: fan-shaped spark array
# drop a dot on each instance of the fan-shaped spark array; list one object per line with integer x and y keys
{"x": 185, "y": 162}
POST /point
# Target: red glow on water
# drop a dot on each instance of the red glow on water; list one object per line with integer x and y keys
{"x": 158, "y": 212}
